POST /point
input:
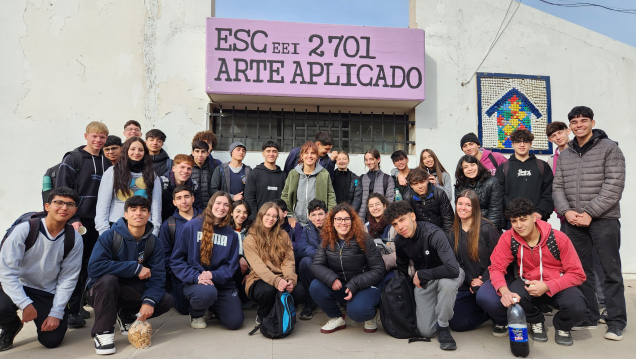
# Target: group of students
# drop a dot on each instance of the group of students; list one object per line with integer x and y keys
{"x": 211, "y": 238}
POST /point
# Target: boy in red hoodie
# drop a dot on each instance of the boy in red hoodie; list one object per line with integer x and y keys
{"x": 549, "y": 273}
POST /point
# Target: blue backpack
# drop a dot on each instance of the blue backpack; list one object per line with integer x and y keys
{"x": 281, "y": 320}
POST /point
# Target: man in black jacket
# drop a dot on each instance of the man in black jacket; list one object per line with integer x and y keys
{"x": 161, "y": 162}
{"x": 266, "y": 181}
{"x": 526, "y": 176}
{"x": 436, "y": 272}
{"x": 430, "y": 202}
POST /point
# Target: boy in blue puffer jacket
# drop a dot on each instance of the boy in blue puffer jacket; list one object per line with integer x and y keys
{"x": 309, "y": 241}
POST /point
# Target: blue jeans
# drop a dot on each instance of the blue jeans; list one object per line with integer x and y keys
{"x": 224, "y": 302}
{"x": 468, "y": 315}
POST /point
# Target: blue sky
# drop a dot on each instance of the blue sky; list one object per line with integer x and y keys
{"x": 395, "y": 13}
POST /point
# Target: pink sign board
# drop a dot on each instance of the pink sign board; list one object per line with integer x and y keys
{"x": 289, "y": 59}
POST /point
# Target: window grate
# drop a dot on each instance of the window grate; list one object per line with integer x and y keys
{"x": 352, "y": 132}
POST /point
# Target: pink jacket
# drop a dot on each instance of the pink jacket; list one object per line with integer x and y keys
{"x": 485, "y": 160}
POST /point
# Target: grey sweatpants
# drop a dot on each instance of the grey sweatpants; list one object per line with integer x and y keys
{"x": 434, "y": 304}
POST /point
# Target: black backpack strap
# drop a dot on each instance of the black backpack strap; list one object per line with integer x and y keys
{"x": 541, "y": 167}
{"x": 256, "y": 328}
{"x": 34, "y": 229}
{"x": 553, "y": 247}
{"x": 150, "y": 247}
{"x": 514, "y": 247}
{"x": 117, "y": 242}
{"x": 493, "y": 160}
{"x": 69, "y": 239}
{"x": 385, "y": 183}
{"x": 172, "y": 229}
{"x": 506, "y": 165}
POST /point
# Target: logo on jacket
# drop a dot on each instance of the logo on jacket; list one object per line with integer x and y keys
{"x": 199, "y": 236}
{"x": 523, "y": 173}
{"x": 427, "y": 252}
{"x": 140, "y": 258}
{"x": 219, "y": 240}
{"x": 272, "y": 188}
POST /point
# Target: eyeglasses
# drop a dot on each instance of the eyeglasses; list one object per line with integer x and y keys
{"x": 342, "y": 220}
{"x": 132, "y": 129}
{"x": 271, "y": 216}
{"x": 60, "y": 204}
{"x": 379, "y": 204}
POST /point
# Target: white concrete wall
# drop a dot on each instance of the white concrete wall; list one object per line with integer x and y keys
{"x": 585, "y": 68}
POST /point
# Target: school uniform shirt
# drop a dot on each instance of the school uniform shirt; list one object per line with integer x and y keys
{"x": 186, "y": 256}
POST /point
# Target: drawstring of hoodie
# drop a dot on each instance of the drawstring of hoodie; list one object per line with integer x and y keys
{"x": 95, "y": 166}
{"x": 540, "y": 263}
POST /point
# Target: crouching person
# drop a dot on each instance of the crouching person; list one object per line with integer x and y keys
{"x": 125, "y": 280}
{"x": 205, "y": 259}
{"x": 349, "y": 269}
{"x": 436, "y": 276}
{"x": 40, "y": 279}
{"x": 549, "y": 274}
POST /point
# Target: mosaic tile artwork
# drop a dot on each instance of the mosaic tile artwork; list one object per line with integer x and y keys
{"x": 508, "y": 102}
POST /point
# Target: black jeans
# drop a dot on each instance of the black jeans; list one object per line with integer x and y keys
{"x": 603, "y": 235}
{"x": 42, "y": 302}
{"x": 89, "y": 239}
{"x": 111, "y": 294}
{"x": 265, "y": 296}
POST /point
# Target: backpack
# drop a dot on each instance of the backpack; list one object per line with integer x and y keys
{"x": 493, "y": 160}
{"x": 506, "y": 165}
{"x": 35, "y": 220}
{"x": 552, "y": 246}
{"x": 54, "y": 171}
{"x": 281, "y": 320}
{"x": 398, "y": 308}
{"x": 118, "y": 240}
{"x": 172, "y": 229}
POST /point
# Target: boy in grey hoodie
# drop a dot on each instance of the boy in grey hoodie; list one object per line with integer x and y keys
{"x": 40, "y": 280}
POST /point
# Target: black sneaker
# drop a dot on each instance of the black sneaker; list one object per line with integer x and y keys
{"x": 538, "y": 332}
{"x": 546, "y": 310}
{"x": 614, "y": 333}
{"x": 563, "y": 337}
{"x": 584, "y": 324}
{"x": 445, "y": 339}
{"x": 85, "y": 314}
{"x": 75, "y": 321}
{"x": 500, "y": 331}
{"x": 104, "y": 343}
{"x": 7, "y": 336}
{"x": 123, "y": 327}
{"x": 603, "y": 316}
{"x": 246, "y": 305}
{"x": 308, "y": 311}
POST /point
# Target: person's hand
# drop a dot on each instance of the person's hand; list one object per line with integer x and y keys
{"x": 292, "y": 221}
{"x": 416, "y": 281}
{"x": 50, "y": 324}
{"x": 206, "y": 275}
{"x": 508, "y": 297}
{"x": 76, "y": 225}
{"x": 144, "y": 273}
{"x": 536, "y": 288}
{"x": 244, "y": 280}
{"x": 477, "y": 282}
{"x": 29, "y": 313}
{"x": 334, "y": 155}
{"x": 205, "y": 281}
{"x": 336, "y": 285}
{"x": 290, "y": 286}
{"x": 583, "y": 219}
{"x": 349, "y": 294}
{"x": 145, "y": 312}
{"x": 432, "y": 180}
{"x": 402, "y": 180}
{"x": 537, "y": 215}
{"x": 238, "y": 196}
{"x": 282, "y": 285}
{"x": 244, "y": 265}
{"x": 572, "y": 218}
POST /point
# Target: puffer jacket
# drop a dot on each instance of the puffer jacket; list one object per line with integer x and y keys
{"x": 220, "y": 180}
{"x": 362, "y": 193}
{"x": 434, "y": 207}
{"x": 490, "y": 199}
{"x": 357, "y": 269}
{"x": 591, "y": 178}
{"x": 203, "y": 176}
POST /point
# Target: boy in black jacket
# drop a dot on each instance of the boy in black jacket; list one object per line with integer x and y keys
{"x": 430, "y": 202}
{"x": 436, "y": 272}
{"x": 526, "y": 176}
{"x": 266, "y": 181}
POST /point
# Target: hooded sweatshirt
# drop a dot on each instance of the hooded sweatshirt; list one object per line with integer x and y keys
{"x": 110, "y": 207}
{"x": 161, "y": 163}
{"x": 88, "y": 180}
{"x": 43, "y": 267}
{"x": 524, "y": 179}
{"x": 485, "y": 160}
{"x": 186, "y": 257}
{"x": 263, "y": 185}
{"x": 125, "y": 263}
{"x": 167, "y": 205}
{"x": 301, "y": 188}
{"x": 294, "y": 155}
{"x": 538, "y": 262}
{"x": 164, "y": 235}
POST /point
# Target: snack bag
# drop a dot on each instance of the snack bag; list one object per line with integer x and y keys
{"x": 140, "y": 333}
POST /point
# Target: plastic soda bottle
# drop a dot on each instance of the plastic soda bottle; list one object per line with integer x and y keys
{"x": 398, "y": 195}
{"x": 518, "y": 331}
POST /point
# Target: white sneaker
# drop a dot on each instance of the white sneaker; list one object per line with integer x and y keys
{"x": 333, "y": 325}
{"x": 198, "y": 323}
{"x": 371, "y": 326}
{"x": 104, "y": 343}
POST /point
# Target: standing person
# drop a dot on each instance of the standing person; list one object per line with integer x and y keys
{"x": 309, "y": 242}
{"x": 210, "y": 138}
{"x": 437, "y": 274}
{"x": 133, "y": 175}
{"x": 550, "y": 276}
{"x": 183, "y": 199}
{"x": 401, "y": 162}
{"x": 345, "y": 182}
{"x": 307, "y": 181}
{"x": 525, "y": 176}
{"x": 84, "y": 177}
{"x": 374, "y": 181}
{"x": 205, "y": 259}
{"x": 271, "y": 258}
{"x": 39, "y": 281}
{"x": 132, "y": 128}
{"x": 161, "y": 162}
{"x": 124, "y": 279}
{"x": 588, "y": 185}
{"x": 179, "y": 174}
{"x": 324, "y": 142}
{"x": 473, "y": 239}
{"x": 438, "y": 175}
{"x": 429, "y": 202}
{"x": 266, "y": 182}
{"x": 231, "y": 176}
{"x": 202, "y": 170}
{"x": 471, "y": 146}
{"x": 112, "y": 148}
{"x": 241, "y": 223}
{"x": 471, "y": 174}
{"x": 348, "y": 269}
